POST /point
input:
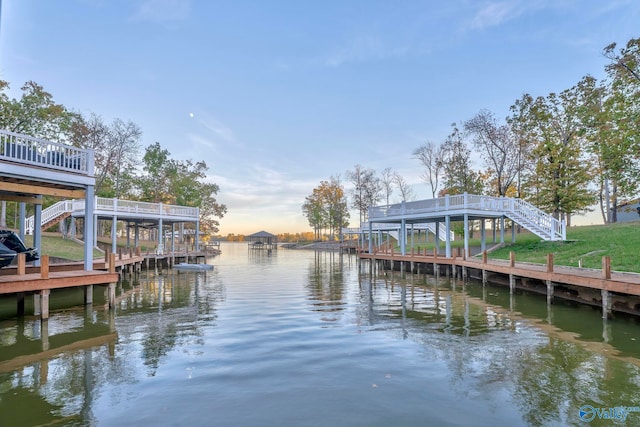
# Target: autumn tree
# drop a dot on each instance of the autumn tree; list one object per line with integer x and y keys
{"x": 326, "y": 208}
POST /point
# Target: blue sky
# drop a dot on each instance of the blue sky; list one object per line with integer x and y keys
{"x": 278, "y": 95}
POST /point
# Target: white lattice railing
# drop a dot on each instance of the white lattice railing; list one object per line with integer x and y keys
{"x": 31, "y": 151}
{"x": 520, "y": 211}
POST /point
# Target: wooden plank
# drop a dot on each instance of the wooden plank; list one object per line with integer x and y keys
{"x": 58, "y": 280}
{"x": 15, "y": 198}
{"x": 41, "y": 190}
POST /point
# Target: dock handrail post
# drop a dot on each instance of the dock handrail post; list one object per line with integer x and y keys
{"x": 606, "y": 267}
{"x": 550, "y": 263}
{"x": 44, "y": 267}
{"x": 22, "y": 264}
{"x": 512, "y": 259}
{"x": 484, "y": 257}
{"x": 112, "y": 263}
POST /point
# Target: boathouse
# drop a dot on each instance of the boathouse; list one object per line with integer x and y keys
{"x": 262, "y": 240}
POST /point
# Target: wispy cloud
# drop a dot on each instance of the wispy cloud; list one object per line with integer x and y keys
{"x": 363, "y": 48}
{"x": 494, "y": 13}
{"x": 215, "y": 126}
{"x": 163, "y": 11}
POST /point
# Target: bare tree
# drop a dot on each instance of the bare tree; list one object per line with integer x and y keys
{"x": 387, "y": 180}
{"x": 431, "y": 155}
{"x": 406, "y": 191}
{"x": 498, "y": 147}
{"x": 116, "y": 151}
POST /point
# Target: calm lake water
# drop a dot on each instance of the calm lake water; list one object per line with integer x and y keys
{"x": 303, "y": 338}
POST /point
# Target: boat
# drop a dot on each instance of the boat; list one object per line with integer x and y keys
{"x": 195, "y": 267}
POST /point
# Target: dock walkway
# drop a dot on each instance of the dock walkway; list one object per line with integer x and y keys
{"x": 618, "y": 291}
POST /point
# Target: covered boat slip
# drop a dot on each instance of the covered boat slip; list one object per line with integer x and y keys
{"x": 31, "y": 168}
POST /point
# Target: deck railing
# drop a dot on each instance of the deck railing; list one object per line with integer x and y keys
{"x": 31, "y": 151}
{"x": 521, "y": 211}
{"x": 116, "y": 206}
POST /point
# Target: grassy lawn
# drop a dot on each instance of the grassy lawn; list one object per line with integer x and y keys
{"x": 587, "y": 244}
{"x": 590, "y": 243}
{"x": 55, "y": 246}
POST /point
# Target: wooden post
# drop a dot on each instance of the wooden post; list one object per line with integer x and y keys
{"x": 549, "y": 263}
{"x": 606, "y": 267}
{"x": 512, "y": 259}
{"x": 550, "y": 291}
{"x": 435, "y": 252}
{"x": 111, "y": 292}
{"x": 484, "y": 257}
{"x": 512, "y": 283}
{"x": 606, "y": 303}
{"x": 44, "y": 304}
{"x": 112, "y": 263}
{"x": 22, "y": 264}
{"x": 20, "y": 296}
{"x": 88, "y": 295}
{"x": 44, "y": 266}
{"x": 120, "y": 253}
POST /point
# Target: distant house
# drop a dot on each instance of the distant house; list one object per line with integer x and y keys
{"x": 629, "y": 211}
{"x": 262, "y": 240}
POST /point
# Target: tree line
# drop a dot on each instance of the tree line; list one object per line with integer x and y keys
{"x": 121, "y": 170}
{"x": 564, "y": 152}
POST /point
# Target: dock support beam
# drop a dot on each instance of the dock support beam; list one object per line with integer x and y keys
{"x": 606, "y": 303}
{"x": 89, "y": 241}
{"x": 550, "y": 290}
{"x": 88, "y": 295}
{"x": 44, "y": 304}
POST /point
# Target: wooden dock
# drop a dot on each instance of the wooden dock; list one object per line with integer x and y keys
{"x": 41, "y": 280}
{"x": 613, "y": 291}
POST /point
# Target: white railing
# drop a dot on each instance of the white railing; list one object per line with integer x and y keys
{"x": 31, "y": 151}
{"x": 49, "y": 214}
{"x": 115, "y": 206}
{"x": 522, "y": 212}
{"x": 394, "y": 228}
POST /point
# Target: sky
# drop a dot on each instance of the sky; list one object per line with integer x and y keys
{"x": 278, "y": 95}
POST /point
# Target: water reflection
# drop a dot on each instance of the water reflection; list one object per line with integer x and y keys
{"x": 326, "y": 284}
{"x": 565, "y": 355}
{"x": 57, "y": 366}
{"x": 269, "y": 340}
